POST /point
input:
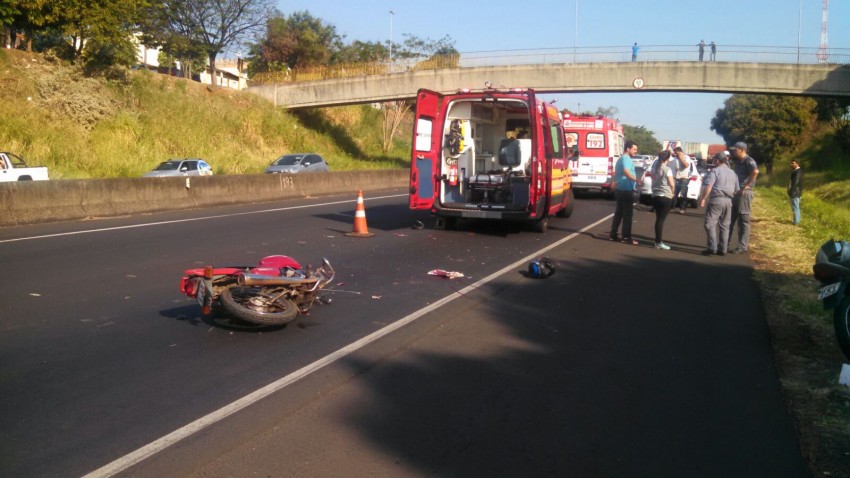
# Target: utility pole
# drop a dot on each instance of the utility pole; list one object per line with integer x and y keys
{"x": 392, "y": 14}
{"x": 575, "y": 33}
{"x": 823, "y": 50}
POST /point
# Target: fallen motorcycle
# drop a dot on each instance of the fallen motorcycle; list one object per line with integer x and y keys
{"x": 273, "y": 292}
{"x": 832, "y": 270}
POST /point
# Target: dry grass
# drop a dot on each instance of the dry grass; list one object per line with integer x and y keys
{"x": 806, "y": 352}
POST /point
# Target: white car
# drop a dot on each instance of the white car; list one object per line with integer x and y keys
{"x": 694, "y": 185}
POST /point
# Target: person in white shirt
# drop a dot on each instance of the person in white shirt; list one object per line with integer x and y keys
{"x": 682, "y": 168}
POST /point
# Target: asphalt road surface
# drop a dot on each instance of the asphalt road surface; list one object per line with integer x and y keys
{"x": 629, "y": 361}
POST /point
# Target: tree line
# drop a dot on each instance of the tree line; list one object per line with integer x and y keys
{"x": 774, "y": 125}
{"x": 104, "y": 34}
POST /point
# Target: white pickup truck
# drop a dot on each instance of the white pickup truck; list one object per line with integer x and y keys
{"x": 14, "y": 168}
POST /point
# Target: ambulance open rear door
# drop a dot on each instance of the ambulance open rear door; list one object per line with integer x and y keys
{"x": 425, "y": 156}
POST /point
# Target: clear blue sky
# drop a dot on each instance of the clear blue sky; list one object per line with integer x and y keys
{"x": 507, "y": 25}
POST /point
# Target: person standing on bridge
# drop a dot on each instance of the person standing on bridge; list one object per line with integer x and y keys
{"x": 721, "y": 184}
{"x": 624, "y": 193}
{"x": 747, "y": 171}
{"x": 701, "y": 46}
{"x": 635, "y": 49}
{"x": 713, "y": 51}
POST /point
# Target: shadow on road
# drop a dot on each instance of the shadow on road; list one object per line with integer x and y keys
{"x": 639, "y": 367}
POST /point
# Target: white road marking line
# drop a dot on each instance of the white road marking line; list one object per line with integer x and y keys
{"x": 133, "y": 226}
{"x": 161, "y": 444}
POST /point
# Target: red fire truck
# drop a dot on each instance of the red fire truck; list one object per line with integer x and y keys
{"x": 489, "y": 154}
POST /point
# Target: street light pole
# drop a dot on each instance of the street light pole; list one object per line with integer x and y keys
{"x": 392, "y": 14}
{"x": 575, "y": 32}
{"x": 799, "y": 23}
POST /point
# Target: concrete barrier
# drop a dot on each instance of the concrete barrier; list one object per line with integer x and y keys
{"x": 34, "y": 202}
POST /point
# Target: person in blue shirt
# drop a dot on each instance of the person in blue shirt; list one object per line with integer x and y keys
{"x": 635, "y": 50}
{"x": 624, "y": 194}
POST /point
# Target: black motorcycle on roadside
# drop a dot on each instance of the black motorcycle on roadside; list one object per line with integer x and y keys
{"x": 832, "y": 270}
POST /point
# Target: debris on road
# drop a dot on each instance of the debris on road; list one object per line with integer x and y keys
{"x": 446, "y": 274}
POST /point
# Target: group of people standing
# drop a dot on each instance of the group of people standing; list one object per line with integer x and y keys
{"x": 728, "y": 195}
{"x": 702, "y": 46}
{"x": 670, "y": 175}
{"x": 712, "y": 47}
{"x": 728, "y": 200}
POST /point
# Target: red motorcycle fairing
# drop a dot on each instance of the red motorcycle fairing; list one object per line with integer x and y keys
{"x": 278, "y": 262}
{"x": 269, "y": 266}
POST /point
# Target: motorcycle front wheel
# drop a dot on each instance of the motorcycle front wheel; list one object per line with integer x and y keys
{"x": 842, "y": 325}
{"x": 253, "y": 304}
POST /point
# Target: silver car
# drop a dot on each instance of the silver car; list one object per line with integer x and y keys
{"x": 298, "y": 163}
{"x": 181, "y": 167}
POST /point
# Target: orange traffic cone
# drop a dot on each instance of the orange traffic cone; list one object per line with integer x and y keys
{"x": 360, "y": 228}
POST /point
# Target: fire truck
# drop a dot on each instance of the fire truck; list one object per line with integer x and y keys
{"x": 595, "y": 144}
{"x": 492, "y": 154}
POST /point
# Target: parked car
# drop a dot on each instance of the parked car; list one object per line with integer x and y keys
{"x": 181, "y": 167}
{"x": 298, "y": 163}
{"x": 694, "y": 185}
{"x": 642, "y": 160}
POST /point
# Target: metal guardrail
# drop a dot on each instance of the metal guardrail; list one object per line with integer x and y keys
{"x": 605, "y": 54}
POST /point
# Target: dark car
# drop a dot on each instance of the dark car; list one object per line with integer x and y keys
{"x": 298, "y": 163}
{"x": 180, "y": 167}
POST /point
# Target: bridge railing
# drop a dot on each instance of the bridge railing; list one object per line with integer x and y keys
{"x": 609, "y": 54}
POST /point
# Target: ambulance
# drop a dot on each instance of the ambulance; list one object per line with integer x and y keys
{"x": 595, "y": 143}
{"x": 492, "y": 154}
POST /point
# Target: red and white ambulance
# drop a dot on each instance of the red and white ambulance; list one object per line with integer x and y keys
{"x": 595, "y": 143}
{"x": 489, "y": 154}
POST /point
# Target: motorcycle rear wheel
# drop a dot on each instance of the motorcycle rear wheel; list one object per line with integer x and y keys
{"x": 252, "y": 305}
{"x": 842, "y": 325}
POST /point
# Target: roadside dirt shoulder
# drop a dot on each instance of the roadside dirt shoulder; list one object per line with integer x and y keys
{"x": 807, "y": 356}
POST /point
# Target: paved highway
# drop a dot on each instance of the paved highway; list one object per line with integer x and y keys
{"x": 617, "y": 365}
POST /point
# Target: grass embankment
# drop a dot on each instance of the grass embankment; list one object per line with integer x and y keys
{"x": 807, "y": 353}
{"x": 85, "y": 128}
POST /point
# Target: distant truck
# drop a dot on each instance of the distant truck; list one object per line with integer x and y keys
{"x": 697, "y": 150}
{"x": 14, "y": 168}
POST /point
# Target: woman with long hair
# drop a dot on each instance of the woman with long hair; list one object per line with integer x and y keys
{"x": 663, "y": 186}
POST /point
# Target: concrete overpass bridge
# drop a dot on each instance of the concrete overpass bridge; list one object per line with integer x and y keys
{"x": 756, "y": 77}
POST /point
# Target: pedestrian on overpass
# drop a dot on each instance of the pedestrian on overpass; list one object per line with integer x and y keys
{"x": 624, "y": 194}
{"x": 721, "y": 184}
{"x": 662, "y": 196}
{"x": 747, "y": 170}
{"x": 701, "y": 46}
{"x": 713, "y": 51}
{"x": 635, "y": 49}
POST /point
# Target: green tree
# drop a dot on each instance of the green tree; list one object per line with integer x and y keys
{"x": 297, "y": 41}
{"x": 422, "y": 48}
{"x": 361, "y": 52}
{"x": 644, "y": 138}
{"x": 769, "y": 124}
{"x": 836, "y": 112}
{"x": 609, "y": 112}
{"x": 211, "y": 25}
{"x": 27, "y": 17}
{"x": 177, "y": 41}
